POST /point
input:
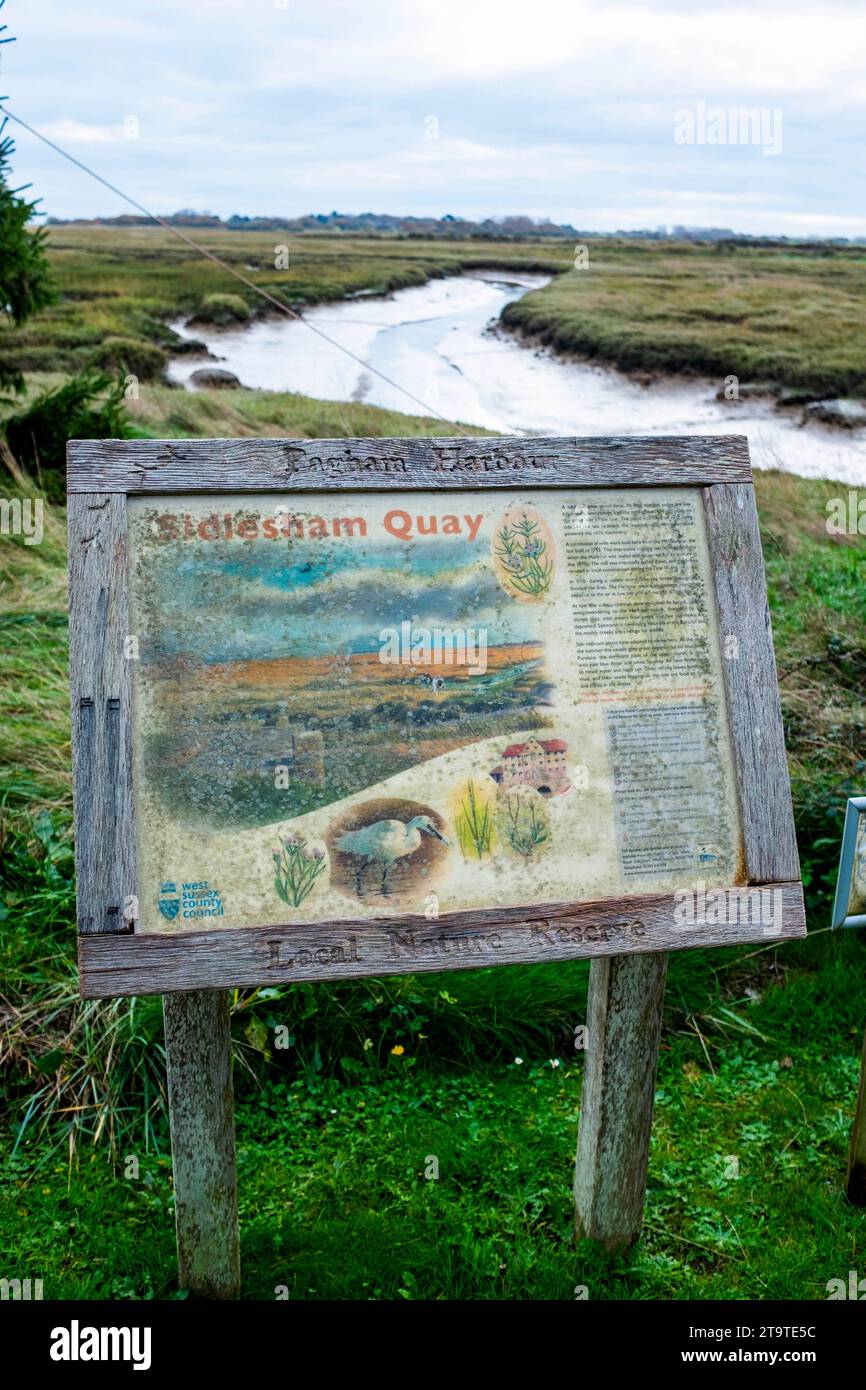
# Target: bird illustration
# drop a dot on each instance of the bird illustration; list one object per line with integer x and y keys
{"x": 384, "y": 842}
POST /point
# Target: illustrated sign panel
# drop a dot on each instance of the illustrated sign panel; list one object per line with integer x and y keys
{"x": 354, "y": 709}
{"x": 369, "y": 718}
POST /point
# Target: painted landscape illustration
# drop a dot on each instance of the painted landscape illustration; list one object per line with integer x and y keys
{"x": 269, "y": 694}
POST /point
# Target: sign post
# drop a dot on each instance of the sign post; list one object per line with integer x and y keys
{"x": 367, "y": 707}
{"x": 856, "y": 1179}
{"x": 849, "y": 910}
{"x": 201, "y": 1114}
{"x": 624, "y": 1023}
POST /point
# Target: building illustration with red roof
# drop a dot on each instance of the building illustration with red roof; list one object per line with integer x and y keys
{"x": 538, "y": 763}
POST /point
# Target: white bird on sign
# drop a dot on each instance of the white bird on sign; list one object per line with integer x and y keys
{"x": 384, "y": 842}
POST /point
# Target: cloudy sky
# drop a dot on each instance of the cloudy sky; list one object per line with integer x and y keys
{"x": 559, "y": 108}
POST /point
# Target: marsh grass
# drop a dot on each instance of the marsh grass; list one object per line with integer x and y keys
{"x": 784, "y": 315}
{"x": 34, "y": 691}
{"x": 475, "y": 822}
{"x": 162, "y": 412}
{"x": 525, "y": 822}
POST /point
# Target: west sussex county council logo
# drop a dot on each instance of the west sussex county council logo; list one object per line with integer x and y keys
{"x": 169, "y": 906}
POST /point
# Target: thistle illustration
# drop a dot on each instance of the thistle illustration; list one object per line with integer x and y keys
{"x": 296, "y": 869}
{"x": 524, "y": 556}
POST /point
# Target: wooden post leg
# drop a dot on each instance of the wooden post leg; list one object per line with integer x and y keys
{"x": 857, "y": 1151}
{"x": 624, "y": 1021}
{"x": 201, "y": 1110}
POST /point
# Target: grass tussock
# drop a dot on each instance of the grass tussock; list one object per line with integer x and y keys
{"x": 787, "y": 316}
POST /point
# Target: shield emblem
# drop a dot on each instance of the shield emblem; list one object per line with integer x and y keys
{"x": 168, "y": 906}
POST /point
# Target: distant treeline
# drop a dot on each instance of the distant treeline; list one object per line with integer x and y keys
{"x": 370, "y": 223}
{"x": 515, "y": 228}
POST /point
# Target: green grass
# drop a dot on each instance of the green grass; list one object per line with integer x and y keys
{"x": 790, "y": 316}
{"x": 743, "y": 1200}
{"x": 162, "y": 412}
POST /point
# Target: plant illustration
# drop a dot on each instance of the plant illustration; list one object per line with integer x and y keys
{"x": 526, "y": 827}
{"x": 523, "y": 554}
{"x": 474, "y": 823}
{"x": 296, "y": 869}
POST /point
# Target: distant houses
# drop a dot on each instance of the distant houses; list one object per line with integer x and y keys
{"x": 538, "y": 763}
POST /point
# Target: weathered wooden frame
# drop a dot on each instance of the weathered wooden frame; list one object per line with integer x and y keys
{"x": 856, "y": 1179}
{"x": 115, "y": 960}
{"x": 855, "y": 808}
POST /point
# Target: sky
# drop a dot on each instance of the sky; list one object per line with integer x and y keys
{"x": 584, "y": 111}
